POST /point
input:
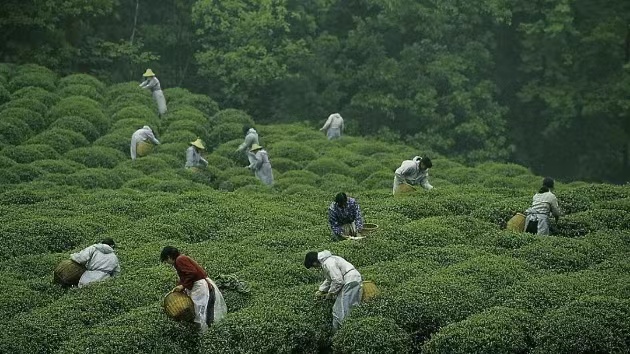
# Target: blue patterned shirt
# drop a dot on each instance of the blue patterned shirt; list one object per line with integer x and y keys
{"x": 340, "y": 216}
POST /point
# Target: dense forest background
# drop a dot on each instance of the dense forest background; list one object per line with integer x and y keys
{"x": 541, "y": 83}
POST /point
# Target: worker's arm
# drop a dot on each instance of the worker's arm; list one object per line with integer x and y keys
{"x": 249, "y": 140}
{"x": 325, "y": 285}
{"x": 333, "y": 220}
{"x": 144, "y": 83}
{"x": 152, "y": 137}
{"x": 133, "y": 148}
{"x": 151, "y": 83}
{"x": 424, "y": 182}
{"x": 257, "y": 163}
{"x": 336, "y": 278}
{"x": 84, "y": 256}
{"x": 116, "y": 270}
{"x": 205, "y": 162}
{"x": 186, "y": 271}
{"x": 327, "y": 124}
{"x": 555, "y": 209}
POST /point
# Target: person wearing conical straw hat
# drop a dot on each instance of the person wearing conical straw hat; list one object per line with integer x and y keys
{"x": 413, "y": 172}
{"x": 152, "y": 83}
{"x": 342, "y": 282}
{"x": 193, "y": 155}
{"x": 344, "y": 217}
{"x": 99, "y": 260}
{"x": 333, "y": 126}
{"x": 261, "y": 165}
{"x": 143, "y": 135}
{"x": 208, "y": 301}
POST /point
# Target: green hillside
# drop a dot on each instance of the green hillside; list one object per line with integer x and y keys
{"x": 452, "y": 279}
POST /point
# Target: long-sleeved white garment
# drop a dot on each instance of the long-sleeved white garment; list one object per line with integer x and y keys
{"x": 194, "y": 159}
{"x": 543, "y": 204}
{"x": 153, "y": 84}
{"x": 411, "y": 173}
{"x": 100, "y": 262}
{"x": 262, "y": 167}
{"x": 250, "y": 139}
{"x": 140, "y": 135}
{"x": 333, "y": 126}
{"x": 342, "y": 279}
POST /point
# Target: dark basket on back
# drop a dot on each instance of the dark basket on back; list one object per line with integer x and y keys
{"x": 179, "y": 307}
{"x": 68, "y": 273}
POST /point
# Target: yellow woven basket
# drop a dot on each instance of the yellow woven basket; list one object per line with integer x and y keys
{"x": 143, "y": 149}
{"x": 179, "y": 307}
{"x": 369, "y": 291}
{"x": 404, "y": 188}
{"x": 517, "y": 223}
{"x": 68, "y": 273}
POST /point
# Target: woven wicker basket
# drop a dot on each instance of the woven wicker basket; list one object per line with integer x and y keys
{"x": 68, "y": 273}
{"x": 517, "y": 223}
{"x": 143, "y": 148}
{"x": 179, "y": 306}
{"x": 404, "y": 188}
{"x": 368, "y": 228}
{"x": 369, "y": 291}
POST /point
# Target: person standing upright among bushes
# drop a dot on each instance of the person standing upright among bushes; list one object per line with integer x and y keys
{"x": 251, "y": 138}
{"x": 413, "y": 172}
{"x": 142, "y": 136}
{"x": 342, "y": 282}
{"x": 208, "y": 300}
{"x": 261, "y": 165}
{"x": 333, "y": 126}
{"x": 344, "y": 217}
{"x": 193, "y": 155}
{"x": 152, "y": 83}
{"x": 543, "y": 203}
{"x": 99, "y": 260}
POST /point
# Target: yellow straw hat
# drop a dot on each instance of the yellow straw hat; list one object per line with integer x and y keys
{"x": 148, "y": 73}
{"x": 255, "y": 147}
{"x": 198, "y": 143}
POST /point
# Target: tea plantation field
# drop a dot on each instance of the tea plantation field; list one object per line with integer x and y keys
{"x": 452, "y": 279}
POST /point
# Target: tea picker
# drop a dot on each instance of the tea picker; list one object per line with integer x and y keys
{"x": 152, "y": 83}
{"x": 544, "y": 203}
{"x": 333, "y": 126}
{"x": 261, "y": 165}
{"x": 99, "y": 260}
{"x": 342, "y": 282}
{"x": 193, "y": 155}
{"x": 412, "y": 172}
{"x": 142, "y": 142}
{"x": 251, "y": 138}
{"x": 208, "y": 303}
{"x": 344, "y": 217}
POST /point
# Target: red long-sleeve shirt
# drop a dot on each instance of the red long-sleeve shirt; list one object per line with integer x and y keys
{"x": 188, "y": 271}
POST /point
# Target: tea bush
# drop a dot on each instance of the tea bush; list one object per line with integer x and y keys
{"x": 232, "y": 116}
{"x": 5, "y": 95}
{"x": 79, "y": 125}
{"x": 136, "y": 112}
{"x": 80, "y": 90}
{"x": 224, "y": 132}
{"x": 26, "y": 103}
{"x": 177, "y": 96}
{"x": 82, "y": 79}
{"x": 83, "y": 107}
{"x": 45, "y": 81}
{"x": 58, "y": 166}
{"x": 29, "y": 153}
{"x": 496, "y": 330}
{"x": 33, "y": 120}
{"x": 96, "y": 156}
{"x": 559, "y": 254}
{"x": 13, "y": 131}
{"x": 119, "y": 140}
{"x": 189, "y": 125}
{"x": 283, "y": 165}
{"x": 371, "y": 335}
{"x": 6, "y": 162}
{"x": 185, "y": 112}
{"x": 92, "y": 178}
{"x": 26, "y": 173}
{"x": 588, "y": 325}
{"x": 179, "y": 136}
{"x": 293, "y": 151}
{"x": 62, "y": 140}
{"x": 37, "y": 93}
{"x": 326, "y": 165}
